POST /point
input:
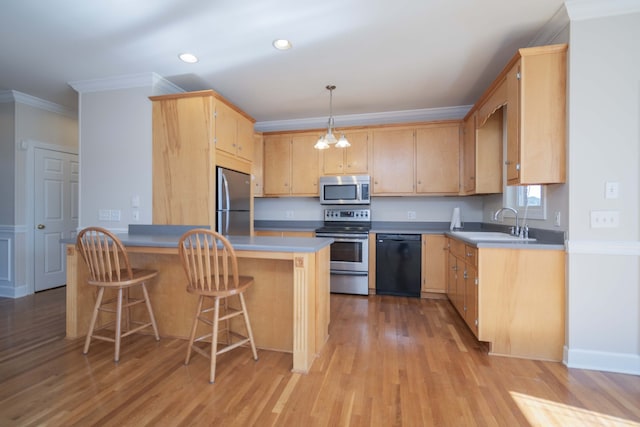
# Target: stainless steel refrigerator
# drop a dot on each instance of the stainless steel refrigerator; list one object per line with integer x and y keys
{"x": 233, "y": 203}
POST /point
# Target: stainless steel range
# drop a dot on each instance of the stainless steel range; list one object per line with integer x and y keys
{"x": 349, "y": 228}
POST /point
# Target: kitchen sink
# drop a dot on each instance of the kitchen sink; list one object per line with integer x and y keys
{"x": 490, "y": 236}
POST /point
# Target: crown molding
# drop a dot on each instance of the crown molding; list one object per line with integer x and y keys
{"x": 126, "y": 82}
{"x": 32, "y": 101}
{"x": 550, "y": 31}
{"x": 405, "y": 116}
{"x": 579, "y": 10}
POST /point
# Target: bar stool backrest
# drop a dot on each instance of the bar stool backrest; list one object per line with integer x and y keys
{"x": 105, "y": 255}
{"x": 209, "y": 261}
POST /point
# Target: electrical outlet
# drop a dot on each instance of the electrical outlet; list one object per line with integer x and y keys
{"x": 115, "y": 215}
{"x": 605, "y": 219}
{"x": 135, "y": 201}
{"x": 411, "y": 214}
{"x": 289, "y": 214}
{"x": 135, "y": 215}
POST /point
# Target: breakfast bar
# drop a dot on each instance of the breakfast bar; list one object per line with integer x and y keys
{"x": 288, "y": 303}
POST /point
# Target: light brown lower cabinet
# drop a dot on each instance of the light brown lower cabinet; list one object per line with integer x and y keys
{"x": 283, "y": 233}
{"x": 514, "y": 299}
{"x": 434, "y": 261}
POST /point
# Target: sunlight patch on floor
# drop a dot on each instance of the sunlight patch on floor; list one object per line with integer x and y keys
{"x": 542, "y": 412}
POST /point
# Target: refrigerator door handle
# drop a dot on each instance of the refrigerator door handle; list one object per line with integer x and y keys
{"x": 226, "y": 200}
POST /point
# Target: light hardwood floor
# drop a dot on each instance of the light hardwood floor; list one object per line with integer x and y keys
{"x": 389, "y": 361}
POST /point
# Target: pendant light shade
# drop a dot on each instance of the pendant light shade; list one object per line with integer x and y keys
{"x": 329, "y": 138}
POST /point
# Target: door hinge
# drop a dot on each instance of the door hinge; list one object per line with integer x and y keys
{"x": 476, "y": 281}
{"x": 518, "y": 75}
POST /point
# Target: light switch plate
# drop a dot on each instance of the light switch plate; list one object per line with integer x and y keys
{"x": 611, "y": 190}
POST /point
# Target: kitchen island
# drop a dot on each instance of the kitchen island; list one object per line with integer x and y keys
{"x": 288, "y": 303}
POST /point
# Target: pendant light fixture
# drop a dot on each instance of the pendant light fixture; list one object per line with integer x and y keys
{"x": 329, "y": 138}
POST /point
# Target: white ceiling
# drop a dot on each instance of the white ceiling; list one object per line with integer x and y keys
{"x": 382, "y": 55}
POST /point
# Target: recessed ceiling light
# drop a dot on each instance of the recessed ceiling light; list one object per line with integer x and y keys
{"x": 188, "y": 58}
{"x": 282, "y": 44}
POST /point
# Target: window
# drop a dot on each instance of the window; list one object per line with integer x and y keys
{"x": 528, "y": 200}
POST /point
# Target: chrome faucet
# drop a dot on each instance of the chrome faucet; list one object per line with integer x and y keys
{"x": 516, "y": 229}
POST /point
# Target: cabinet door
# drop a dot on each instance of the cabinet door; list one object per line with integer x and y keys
{"x": 469, "y": 155}
{"x": 333, "y": 162}
{"x": 438, "y": 159}
{"x": 305, "y": 165}
{"x": 183, "y": 155}
{"x": 542, "y": 117}
{"x": 393, "y": 161}
{"x": 488, "y": 165}
{"x": 245, "y": 138}
{"x": 434, "y": 267}
{"x": 277, "y": 165}
{"x": 452, "y": 272}
{"x": 471, "y": 298}
{"x": 513, "y": 124}
{"x": 226, "y": 128}
{"x": 353, "y": 160}
{"x": 357, "y": 156}
{"x": 257, "y": 165}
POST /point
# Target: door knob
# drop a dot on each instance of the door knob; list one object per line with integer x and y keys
{"x": 40, "y": 226}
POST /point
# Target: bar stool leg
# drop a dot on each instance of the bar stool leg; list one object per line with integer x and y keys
{"x": 94, "y": 317}
{"x": 248, "y": 325}
{"x": 214, "y": 340}
{"x": 150, "y": 310}
{"x": 193, "y": 329}
{"x": 118, "y": 324}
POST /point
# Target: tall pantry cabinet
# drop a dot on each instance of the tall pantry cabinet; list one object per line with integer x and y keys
{"x": 193, "y": 133}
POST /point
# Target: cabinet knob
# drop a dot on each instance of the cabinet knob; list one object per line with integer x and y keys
{"x": 40, "y": 227}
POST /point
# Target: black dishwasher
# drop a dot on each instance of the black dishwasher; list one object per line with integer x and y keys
{"x": 398, "y": 264}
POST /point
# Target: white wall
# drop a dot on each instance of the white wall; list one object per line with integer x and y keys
{"x": 604, "y": 128}
{"x": 115, "y": 155}
{"x": 116, "y": 147}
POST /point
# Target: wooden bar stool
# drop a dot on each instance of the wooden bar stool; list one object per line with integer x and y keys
{"x": 211, "y": 266}
{"x": 109, "y": 268}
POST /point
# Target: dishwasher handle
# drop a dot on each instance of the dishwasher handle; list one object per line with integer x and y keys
{"x": 399, "y": 237}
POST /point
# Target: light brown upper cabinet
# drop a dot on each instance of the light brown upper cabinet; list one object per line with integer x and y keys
{"x": 257, "y": 165}
{"x": 416, "y": 160}
{"x": 185, "y": 155}
{"x": 353, "y": 160}
{"x": 291, "y": 164}
{"x": 438, "y": 159}
{"x": 536, "y": 116}
{"x": 393, "y": 161}
{"x": 234, "y": 132}
{"x": 483, "y": 142}
{"x": 469, "y": 155}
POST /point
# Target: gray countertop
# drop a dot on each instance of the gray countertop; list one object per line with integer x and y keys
{"x": 545, "y": 239}
{"x": 168, "y": 236}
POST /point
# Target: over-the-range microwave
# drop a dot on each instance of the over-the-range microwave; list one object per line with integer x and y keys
{"x": 345, "y": 190}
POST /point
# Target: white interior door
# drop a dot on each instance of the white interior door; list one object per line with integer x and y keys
{"x": 55, "y": 213}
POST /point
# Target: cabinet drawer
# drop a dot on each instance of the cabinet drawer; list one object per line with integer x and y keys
{"x": 471, "y": 255}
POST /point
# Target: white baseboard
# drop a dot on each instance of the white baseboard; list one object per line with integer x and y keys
{"x": 13, "y": 292}
{"x": 623, "y": 363}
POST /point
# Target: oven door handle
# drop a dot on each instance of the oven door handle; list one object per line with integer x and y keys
{"x": 349, "y": 273}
